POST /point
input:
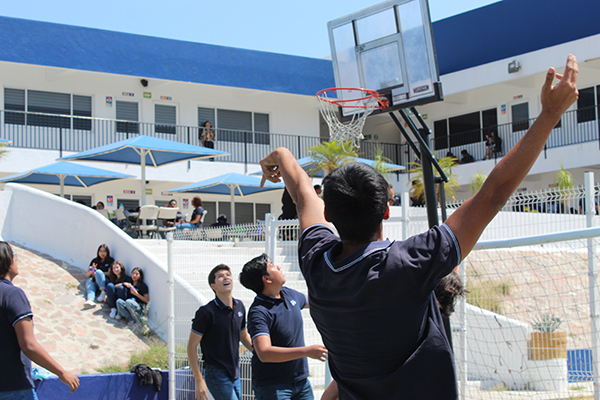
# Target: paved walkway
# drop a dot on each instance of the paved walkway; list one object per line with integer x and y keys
{"x": 81, "y": 340}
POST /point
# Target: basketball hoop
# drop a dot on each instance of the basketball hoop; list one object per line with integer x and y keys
{"x": 359, "y": 103}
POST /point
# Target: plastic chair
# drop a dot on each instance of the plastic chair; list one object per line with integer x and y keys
{"x": 105, "y": 213}
{"x": 146, "y": 221}
{"x": 122, "y": 220}
{"x": 166, "y": 213}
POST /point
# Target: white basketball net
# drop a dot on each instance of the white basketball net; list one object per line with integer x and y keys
{"x": 361, "y": 106}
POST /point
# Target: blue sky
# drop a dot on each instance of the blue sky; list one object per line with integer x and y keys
{"x": 296, "y": 27}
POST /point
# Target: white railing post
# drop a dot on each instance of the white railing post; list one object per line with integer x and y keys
{"x": 405, "y": 215}
{"x": 463, "y": 334}
{"x": 270, "y": 235}
{"x": 590, "y": 211}
{"x": 171, "y": 283}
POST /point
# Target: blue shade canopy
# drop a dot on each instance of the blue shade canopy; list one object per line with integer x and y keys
{"x": 307, "y": 162}
{"x": 242, "y": 185}
{"x": 229, "y": 184}
{"x": 157, "y": 152}
{"x": 145, "y": 150}
{"x": 4, "y": 141}
{"x": 65, "y": 174}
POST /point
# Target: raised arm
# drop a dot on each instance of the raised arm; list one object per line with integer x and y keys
{"x": 281, "y": 163}
{"x": 470, "y": 219}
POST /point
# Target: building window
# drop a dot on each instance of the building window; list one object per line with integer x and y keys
{"x": 520, "y": 117}
{"x": 127, "y": 111}
{"x": 165, "y": 115}
{"x": 586, "y": 105}
{"x": 261, "y": 129}
{"x": 82, "y": 107}
{"x": 14, "y": 99}
{"x": 440, "y": 129}
{"x": 40, "y": 104}
{"x": 464, "y": 129}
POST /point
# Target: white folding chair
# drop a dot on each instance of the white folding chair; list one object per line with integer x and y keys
{"x": 105, "y": 213}
{"x": 166, "y": 213}
{"x": 203, "y": 216}
{"x": 146, "y": 221}
{"x": 122, "y": 220}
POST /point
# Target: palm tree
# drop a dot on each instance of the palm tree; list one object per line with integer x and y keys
{"x": 477, "y": 183}
{"x": 381, "y": 163}
{"x": 563, "y": 178}
{"x": 327, "y": 156}
{"x": 418, "y": 190}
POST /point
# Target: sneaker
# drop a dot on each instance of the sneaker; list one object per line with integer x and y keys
{"x": 101, "y": 296}
{"x": 113, "y": 313}
{"x": 118, "y": 316}
{"x": 132, "y": 322}
{"x": 89, "y": 304}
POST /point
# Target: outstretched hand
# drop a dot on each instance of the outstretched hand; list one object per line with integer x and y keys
{"x": 558, "y": 98}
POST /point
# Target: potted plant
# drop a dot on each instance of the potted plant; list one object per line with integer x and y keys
{"x": 547, "y": 343}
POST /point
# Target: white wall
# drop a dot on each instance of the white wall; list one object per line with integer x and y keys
{"x": 289, "y": 114}
{"x": 71, "y": 232}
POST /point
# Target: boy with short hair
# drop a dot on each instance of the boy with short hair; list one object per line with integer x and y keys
{"x": 279, "y": 365}
{"x": 218, "y": 327}
{"x": 372, "y": 300}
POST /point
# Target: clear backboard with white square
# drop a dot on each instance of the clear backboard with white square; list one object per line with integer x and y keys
{"x": 388, "y": 48}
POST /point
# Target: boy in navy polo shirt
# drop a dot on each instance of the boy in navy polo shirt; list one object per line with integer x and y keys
{"x": 372, "y": 300}
{"x": 279, "y": 365}
{"x": 18, "y": 345}
{"x": 218, "y": 327}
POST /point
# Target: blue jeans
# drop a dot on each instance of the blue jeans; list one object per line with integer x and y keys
{"x": 186, "y": 225}
{"x": 300, "y": 390}
{"x": 94, "y": 283}
{"x": 113, "y": 293}
{"x": 129, "y": 309}
{"x": 28, "y": 394}
{"x": 220, "y": 384}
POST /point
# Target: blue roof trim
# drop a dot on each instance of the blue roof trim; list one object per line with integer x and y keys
{"x": 509, "y": 28}
{"x": 497, "y": 31}
{"x": 43, "y": 43}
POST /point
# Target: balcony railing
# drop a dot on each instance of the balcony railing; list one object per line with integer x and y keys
{"x": 76, "y": 133}
{"x": 576, "y": 126}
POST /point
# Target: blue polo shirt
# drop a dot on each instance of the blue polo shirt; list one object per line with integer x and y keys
{"x": 377, "y": 313}
{"x": 15, "y": 368}
{"x": 281, "y": 320}
{"x": 220, "y": 327}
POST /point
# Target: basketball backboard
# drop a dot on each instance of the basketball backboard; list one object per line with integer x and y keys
{"x": 388, "y": 48}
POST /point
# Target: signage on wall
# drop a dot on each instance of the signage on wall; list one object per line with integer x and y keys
{"x": 186, "y": 204}
{"x": 109, "y": 201}
{"x": 128, "y": 191}
{"x": 520, "y": 96}
{"x": 147, "y": 95}
{"x": 128, "y": 94}
{"x": 109, "y": 101}
{"x": 166, "y": 194}
{"x": 166, "y": 98}
{"x": 503, "y": 109}
{"x": 149, "y": 191}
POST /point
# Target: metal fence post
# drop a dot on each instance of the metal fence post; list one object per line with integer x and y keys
{"x": 463, "y": 334}
{"x": 270, "y": 235}
{"x": 405, "y": 215}
{"x": 171, "y": 282}
{"x": 590, "y": 210}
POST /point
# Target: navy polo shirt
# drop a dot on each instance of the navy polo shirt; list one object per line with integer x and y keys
{"x": 220, "y": 327}
{"x": 377, "y": 313}
{"x": 281, "y": 320}
{"x": 15, "y": 368}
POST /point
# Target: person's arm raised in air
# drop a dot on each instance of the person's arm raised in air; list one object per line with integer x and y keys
{"x": 281, "y": 163}
{"x": 470, "y": 219}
